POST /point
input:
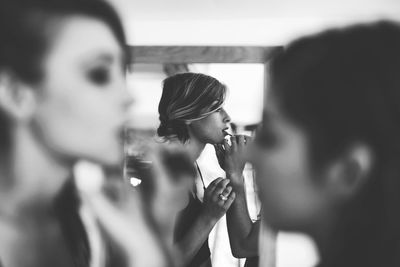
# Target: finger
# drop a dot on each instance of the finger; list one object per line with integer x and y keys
{"x": 224, "y": 194}
{"x": 219, "y": 153}
{"x": 248, "y": 139}
{"x": 241, "y": 140}
{"x": 220, "y": 147}
{"x": 211, "y": 187}
{"x": 229, "y": 201}
{"x": 227, "y": 191}
{"x": 219, "y": 150}
{"x": 222, "y": 184}
{"x": 227, "y": 147}
{"x": 233, "y": 143}
{"x": 219, "y": 189}
{"x": 216, "y": 147}
{"x": 221, "y": 203}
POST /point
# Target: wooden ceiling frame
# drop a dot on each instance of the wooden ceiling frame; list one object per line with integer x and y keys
{"x": 202, "y": 54}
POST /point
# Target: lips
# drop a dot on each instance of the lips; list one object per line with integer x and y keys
{"x": 226, "y": 132}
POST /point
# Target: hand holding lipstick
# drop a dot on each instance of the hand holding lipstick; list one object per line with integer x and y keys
{"x": 231, "y": 158}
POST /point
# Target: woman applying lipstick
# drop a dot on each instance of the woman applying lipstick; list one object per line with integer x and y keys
{"x": 191, "y": 114}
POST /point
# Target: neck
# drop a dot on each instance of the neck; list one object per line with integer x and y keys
{"x": 323, "y": 235}
{"x": 36, "y": 177}
{"x": 195, "y": 148}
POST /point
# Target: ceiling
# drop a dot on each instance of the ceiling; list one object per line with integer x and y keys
{"x": 242, "y": 9}
{"x": 242, "y": 22}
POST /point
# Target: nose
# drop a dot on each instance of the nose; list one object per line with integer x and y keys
{"x": 127, "y": 100}
{"x": 126, "y": 104}
{"x": 227, "y": 118}
{"x": 125, "y": 97}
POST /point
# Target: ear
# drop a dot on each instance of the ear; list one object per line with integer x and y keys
{"x": 17, "y": 99}
{"x": 349, "y": 173}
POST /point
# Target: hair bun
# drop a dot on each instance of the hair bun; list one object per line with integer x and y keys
{"x": 171, "y": 129}
{"x": 162, "y": 129}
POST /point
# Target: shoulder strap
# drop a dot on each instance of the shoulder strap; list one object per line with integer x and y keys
{"x": 201, "y": 176}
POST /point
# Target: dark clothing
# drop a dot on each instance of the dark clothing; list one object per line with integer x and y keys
{"x": 67, "y": 210}
{"x": 252, "y": 262}
{"x": 186, "y": 219}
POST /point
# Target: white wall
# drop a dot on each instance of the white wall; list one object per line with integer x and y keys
{"x": 239, "y": 22}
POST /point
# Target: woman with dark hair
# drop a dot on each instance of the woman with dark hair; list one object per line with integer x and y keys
{"x": 327, "y": 156}
{"x": 191, "y": 114}
{"x": 62, "y": 99}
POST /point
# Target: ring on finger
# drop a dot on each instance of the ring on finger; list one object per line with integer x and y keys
{"x": 223, "y": 197}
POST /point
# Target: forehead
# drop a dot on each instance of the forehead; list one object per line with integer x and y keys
{"x": 82, "y": 37}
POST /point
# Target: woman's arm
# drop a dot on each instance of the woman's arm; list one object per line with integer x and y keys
{"x": 243, "y": 233}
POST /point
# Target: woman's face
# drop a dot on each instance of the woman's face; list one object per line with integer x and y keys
{"x": 292, "y": 199}
{"x": 211, "y": 129}
{"x": 82, "y": 98}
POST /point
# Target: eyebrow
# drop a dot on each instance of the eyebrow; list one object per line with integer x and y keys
{"x": 104, "y": 56}
{"x": 107, "y": 57}
{"x": 96, "y": 58}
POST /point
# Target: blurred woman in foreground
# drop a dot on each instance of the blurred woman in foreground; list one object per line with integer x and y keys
{"x": 62, "y": 99}
{"x": 328, "y": 154}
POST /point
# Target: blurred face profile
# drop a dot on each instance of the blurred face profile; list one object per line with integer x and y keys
{"x": 211, "y": 129}
{"x": 82, "y": 97}
{"x": 291, "y": 196}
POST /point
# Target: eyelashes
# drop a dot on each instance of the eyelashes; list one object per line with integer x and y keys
{"x": 100, "y": 76}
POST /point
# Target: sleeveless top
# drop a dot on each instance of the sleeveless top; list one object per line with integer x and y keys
{"x": 252, "y": 262}
{"x": 186, "y": 219}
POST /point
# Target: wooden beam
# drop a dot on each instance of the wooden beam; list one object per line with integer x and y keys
{"x": 201, "y": 54}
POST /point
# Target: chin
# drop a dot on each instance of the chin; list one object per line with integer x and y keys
{"x": 115, "y": 160}
{"x": 112, "y": 158}
{"x": 219, "y": 140}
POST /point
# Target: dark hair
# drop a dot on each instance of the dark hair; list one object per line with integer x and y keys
{"x": 26, "y": 28}
{"x": 342, "y": 87}
{"x": 187, "y": 97}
